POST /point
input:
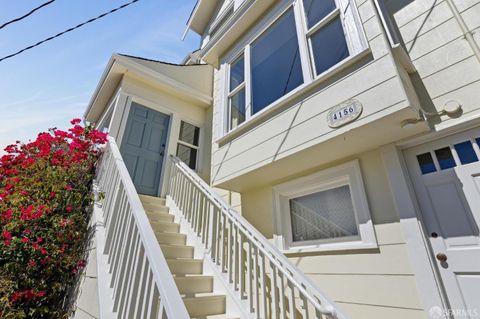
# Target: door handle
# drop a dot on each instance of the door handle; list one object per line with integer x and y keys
{"x": 442, "y": 257}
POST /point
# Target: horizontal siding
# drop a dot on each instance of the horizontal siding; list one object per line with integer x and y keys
{"x": 372, "y": 289}
{"x": 388, "y": 260}
{"x": 444, "y": 59}
{"x": 362, "y": 311}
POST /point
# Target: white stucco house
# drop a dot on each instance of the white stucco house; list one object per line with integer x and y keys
{"x": 342, "y": 138}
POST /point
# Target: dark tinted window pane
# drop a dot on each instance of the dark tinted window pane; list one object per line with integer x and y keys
{"x": 316, "y": 10}
{"x": 237, "y": 109}
{"x": 478, "y": 141}
{"x": 237, "y": 70}
{"x": 466, "y": 153}
{"x": 189, "y": 133}
{"x": 426, "y": 163}
{"x": 445, "y": 158}
{"x": 276, "y": 68}
{"x": 188, "y": 155}
{"x": 329, "y": 46}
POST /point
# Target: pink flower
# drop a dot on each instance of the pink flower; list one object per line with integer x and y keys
{"x": 25, "y": 240}
{"x": 75, "y": 121}
{"x": 69, "y": 208}
{"x": 7, "y": 235}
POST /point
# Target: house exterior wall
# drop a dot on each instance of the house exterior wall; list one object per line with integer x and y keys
{"x": 448, "y": 66}
{"x": 373, "y": 283}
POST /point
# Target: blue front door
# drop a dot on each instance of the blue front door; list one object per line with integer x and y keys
{"x": 143, "y": 147}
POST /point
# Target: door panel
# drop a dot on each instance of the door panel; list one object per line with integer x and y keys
{"x": 143, "y": 147}
{"x": 446, "y": 179}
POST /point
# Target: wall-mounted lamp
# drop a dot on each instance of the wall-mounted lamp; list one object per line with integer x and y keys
{"x": 450, "y": 108}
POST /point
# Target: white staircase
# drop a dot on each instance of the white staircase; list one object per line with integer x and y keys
{"x": 190, "y": 255}
{"x": 197, "y": 289}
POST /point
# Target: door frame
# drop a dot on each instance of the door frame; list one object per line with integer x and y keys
{"x": 155, "y": 107}
{"x": 427, "y": 276}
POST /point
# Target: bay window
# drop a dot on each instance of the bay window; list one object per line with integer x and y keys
{"x": 308, "y": 39}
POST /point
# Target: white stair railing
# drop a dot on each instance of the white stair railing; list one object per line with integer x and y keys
{"x": 261, "y": 276}
{"x": 141, "y": 283}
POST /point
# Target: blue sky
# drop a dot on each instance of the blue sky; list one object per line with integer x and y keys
{"x": 51, "y": 84}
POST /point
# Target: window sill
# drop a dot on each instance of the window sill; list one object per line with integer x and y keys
{"x": 333, "y": 247}
{"x": 264, "y": 114}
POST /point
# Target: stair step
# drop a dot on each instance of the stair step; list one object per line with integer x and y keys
{"x": 194, "y": 284}
{"x": 222, "y": 316}
{"x": 164, "y": 217}
{"x": 205, "y": 306}
{"x": 182, "y": 267}
{"x": 171, "y": 238}
{"x": 177, "y": 251}
{"x": 152, "y": 199}
{"x": 155, "y": 208}
{"x": 168, "y": 227}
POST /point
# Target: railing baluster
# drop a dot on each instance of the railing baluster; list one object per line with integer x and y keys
{"x": 281, "y": 285}
{"x": 249, "y": 276}
{"x": 256, "y": 282}
{"x": 291, "y": 300}
{"x": 274, "y": 291}
{"x": 263, "y": 283}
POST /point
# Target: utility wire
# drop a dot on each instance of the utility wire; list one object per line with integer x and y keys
{"x": 26, "y": 15}
{"x": 68, "y": 30}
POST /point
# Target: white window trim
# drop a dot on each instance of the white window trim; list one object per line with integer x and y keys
{"x": 354, "y": 35}
{"x": 345, "y": 174}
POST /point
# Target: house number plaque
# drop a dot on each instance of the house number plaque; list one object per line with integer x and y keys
{"x": 344, "y": 113}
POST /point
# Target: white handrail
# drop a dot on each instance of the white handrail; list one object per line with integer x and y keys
{"x": 223, "y": 230}
{"x": 143, "y": 286}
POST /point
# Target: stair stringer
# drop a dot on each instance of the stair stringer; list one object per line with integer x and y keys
{"x": 235, "y": 305}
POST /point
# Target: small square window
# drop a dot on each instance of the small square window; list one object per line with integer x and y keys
{"x": 323, "y": 215}
{"x": 317, "y": 10}
{"x": 237, "y": 73}
{"x": 329, "y": 46}
{"x": 189, "y": 133}
{"x": 237, "y": 109}
{"x": 466, "y": 153}
{"x": 323, "y": 212}
{"x": 188, "y": 144}
{"x": 188, "y": 155}
{"x": 425, "y": 161}
{"x": 445, "y": 158}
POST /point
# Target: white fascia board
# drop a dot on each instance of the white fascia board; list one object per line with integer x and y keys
{"x": 165, "y": 80}
{"x": 99, "y": 85}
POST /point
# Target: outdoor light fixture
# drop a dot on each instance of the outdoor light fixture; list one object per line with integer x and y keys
{"x": 450, "y": 108}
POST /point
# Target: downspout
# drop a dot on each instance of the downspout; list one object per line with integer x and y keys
{"x": 466, "y": 33}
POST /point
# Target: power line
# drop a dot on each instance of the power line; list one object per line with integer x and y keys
{"x": 26, "y": 15}
{"x": 68, "y": 30}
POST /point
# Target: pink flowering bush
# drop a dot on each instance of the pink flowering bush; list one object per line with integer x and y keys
{"x": 45, "y": 204}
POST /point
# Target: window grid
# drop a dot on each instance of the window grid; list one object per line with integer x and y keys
{"x": 457, "y": 155}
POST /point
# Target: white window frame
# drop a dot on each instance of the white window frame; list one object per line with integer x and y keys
{"x": 354, "y": 36}
{"x": 179, "y": 141}
{"x": 345, "y": 174}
